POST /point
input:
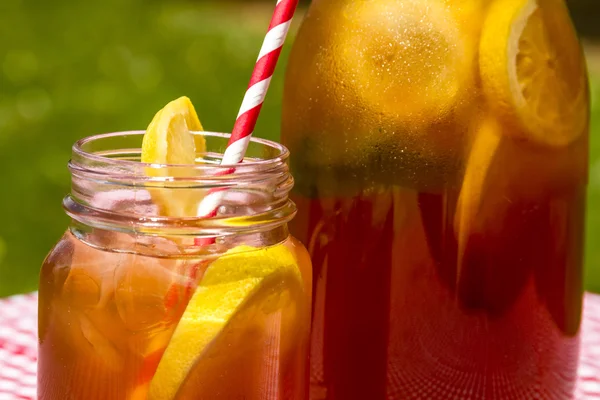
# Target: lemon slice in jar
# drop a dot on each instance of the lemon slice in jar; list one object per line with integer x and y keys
{"x": 169, "y": 141}
{"x": 533, "y": 72}
{"x": 236, "y": 290}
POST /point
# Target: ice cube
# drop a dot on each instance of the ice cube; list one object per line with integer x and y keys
{"x": 133, "y": 202}
{"x": 143, "y": 286}
{"x": 102, "y": 346}
{"x": 90, "y": 281}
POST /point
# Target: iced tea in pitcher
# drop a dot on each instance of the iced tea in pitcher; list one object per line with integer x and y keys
{"x": 440, "y": 150}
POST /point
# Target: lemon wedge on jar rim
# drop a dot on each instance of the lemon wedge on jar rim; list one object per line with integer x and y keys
{"x": 533, "y": 72}
{"x": 169, "y": 141}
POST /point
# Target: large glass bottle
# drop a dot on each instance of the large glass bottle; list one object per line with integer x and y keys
{"x": 440, "y": 150}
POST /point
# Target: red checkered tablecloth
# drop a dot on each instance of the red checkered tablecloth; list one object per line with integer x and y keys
{"x": 18, "y": 348}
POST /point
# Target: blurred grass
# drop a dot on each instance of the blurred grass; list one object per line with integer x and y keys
{"x": 73, "y": 69}
{"x": 592, "y": 263}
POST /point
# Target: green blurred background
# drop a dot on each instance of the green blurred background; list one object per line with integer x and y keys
{"x": 70, "y": 69}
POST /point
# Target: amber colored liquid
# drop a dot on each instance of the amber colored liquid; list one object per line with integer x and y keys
{"x": 106, "y": 319}
{"x": 394, "y": 318}
{"x": 446, "y": 240}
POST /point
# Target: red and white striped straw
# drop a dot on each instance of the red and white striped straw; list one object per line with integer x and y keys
{"x": 254, "y": 97}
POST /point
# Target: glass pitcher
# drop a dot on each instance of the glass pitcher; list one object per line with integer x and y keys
{"x": 440, "y": 150}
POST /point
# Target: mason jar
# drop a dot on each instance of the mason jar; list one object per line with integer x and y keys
{"x": 135, "y": 303}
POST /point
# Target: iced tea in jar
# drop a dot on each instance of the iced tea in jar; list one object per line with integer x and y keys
{"x": 440, "y": 150}
{"x": 141, "y": 299}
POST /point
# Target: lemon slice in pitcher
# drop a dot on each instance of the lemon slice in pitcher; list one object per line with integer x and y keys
{"x": 533, "y": 71}
{"x": 169, "y": 141}
{"x": 245, "y": 277}
{"x": 407, "y": 60}
{"x": 477, "y": 178}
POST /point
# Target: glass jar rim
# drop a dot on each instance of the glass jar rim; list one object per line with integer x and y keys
{"x": 256, "y": 198}
{"x": 84, "y": 159}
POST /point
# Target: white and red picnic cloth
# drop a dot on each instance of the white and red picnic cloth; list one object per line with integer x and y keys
{"x": 18, "y": 349}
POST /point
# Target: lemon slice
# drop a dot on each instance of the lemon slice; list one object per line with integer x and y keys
{"x": 245, "y": 277}
{"x": 169, "y": 141}
{"x": 477, "y": 176}
{"x": 533, "y": 71}
{"x": 407, "y": 60}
